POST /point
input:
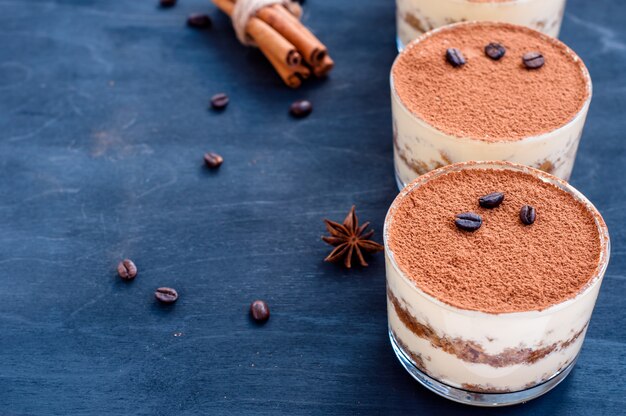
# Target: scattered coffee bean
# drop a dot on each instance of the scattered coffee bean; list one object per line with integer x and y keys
{"x": 166, "y": 295}
{"x": 495, "y": 51}
{"x": 301, "y": 108}
{"x": 468, "y": 221}
{"x": 455, "y": 57}
{"x": 492, "y": 200}
{"x": 167, "y": 3}
{"x": 528, "y": 214}
{"x": 533, "y": 60}
{"x": 199, "y": 21}
{"x": 126, "y": 269}
{"x": 219, "y": 101}
{"x": 259, "y": 310}
{"x": 213, "y": 160}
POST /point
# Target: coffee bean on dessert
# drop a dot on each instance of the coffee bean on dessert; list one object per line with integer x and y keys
{"x": 213, "y": 160}
{"x": 301, "y": 108}
{"x": 126, "y": 269}
{"x": 528, "y": 214}
{"x": 495, "y": 51}
{"x": 468, "y": 221}
{"x": 167, "y": 3}
{"x": 533, "y": 60}
{"x": 199, "y": 20}
{"x": 491, "y": 200}
{"x": 260, "y": 311}
{"x": 166, "y": 295}
{"x": 219, "y": 101}
{"x": 455, "y": 57}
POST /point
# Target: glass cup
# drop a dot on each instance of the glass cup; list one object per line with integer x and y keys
{"x": 439, "y": 344}
{"x": 415, "y": 17}
{"x": 420, "y": 147}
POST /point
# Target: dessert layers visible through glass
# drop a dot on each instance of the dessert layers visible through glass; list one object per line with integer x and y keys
{"x": 500, "y": 310}
{"x": 487, "y": 109}
{"x": 415, "y": 17}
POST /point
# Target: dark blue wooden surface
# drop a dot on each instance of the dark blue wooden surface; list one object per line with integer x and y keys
{"x": 103, "y": 123}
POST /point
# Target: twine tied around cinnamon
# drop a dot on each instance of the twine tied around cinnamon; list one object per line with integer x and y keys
{"x": 246, "y": 9}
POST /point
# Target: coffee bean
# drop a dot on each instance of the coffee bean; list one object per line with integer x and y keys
{"x": 166, "y": 295}
{"x": 495, "y": 51}
{"x": 167, "y": 3}
{"x": 199, "y": 21}
{"x": 491, "y": 200}
{"x": 455, "y": 57}
{"x": 468, "y": 221}
{"x": 528, "y": 214}
{"x": 213, "y": 160}
{"x": 533, "y": 60}
{"x": 259, "y": 310}
{"x": 219, "y": 101}
{"x": 301, "y": 108}
{"x": 126, "y": 269}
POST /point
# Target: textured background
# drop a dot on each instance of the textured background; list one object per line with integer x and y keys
{"x": 103, "y": 123}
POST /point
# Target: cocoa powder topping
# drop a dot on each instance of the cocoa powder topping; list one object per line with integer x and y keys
{"x": 505, "y": 265}
{"x": 487, "y": 99}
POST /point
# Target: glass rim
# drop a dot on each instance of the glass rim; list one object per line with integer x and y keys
{"x": 580, "y": 113}
{"x": 603, "y": 232}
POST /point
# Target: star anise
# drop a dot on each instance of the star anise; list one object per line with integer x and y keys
{"x": 350, "y": 240}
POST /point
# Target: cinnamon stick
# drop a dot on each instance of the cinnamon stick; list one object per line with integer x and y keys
{"x": 295, "y": 32}
{"x": 303, "y": 71}
{"x": 268, "y": 39}
{"x": 288, "y": 74}
{"x": 324, "y": 67}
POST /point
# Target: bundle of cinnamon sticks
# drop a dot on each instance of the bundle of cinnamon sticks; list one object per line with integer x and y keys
{"x": 290, "y": 47}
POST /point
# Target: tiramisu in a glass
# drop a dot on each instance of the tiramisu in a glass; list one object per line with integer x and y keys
{"x": 493, "y": 270}
{"x": 487, "y": 91}
{"x": 415, "y": 17}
